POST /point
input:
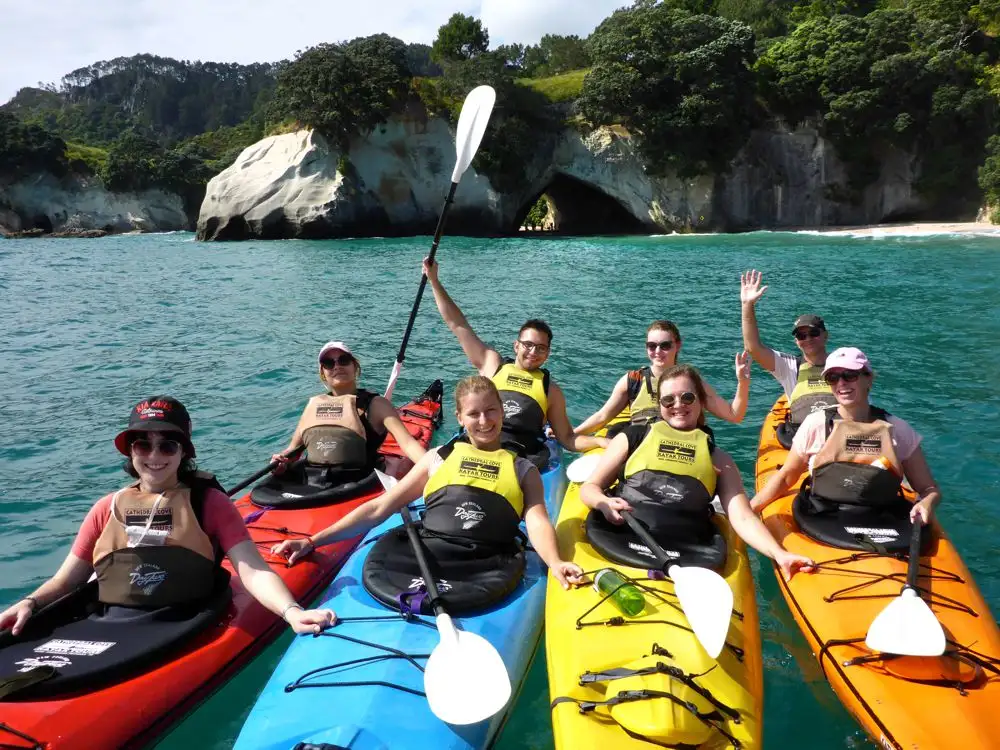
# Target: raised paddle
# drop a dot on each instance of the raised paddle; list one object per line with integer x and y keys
{"x": 907, "y": 626}
{"x": 472, "y": 124}
{"x": 704, "y": 595}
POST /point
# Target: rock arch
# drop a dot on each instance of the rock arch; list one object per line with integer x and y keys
{"x": 577, "y": 207}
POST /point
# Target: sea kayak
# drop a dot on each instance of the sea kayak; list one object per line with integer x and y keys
{"x": 619, "y": 682}
{"x": 903, "y": 702}
{"x": 134, "y": 709}
{"x": 360, "y": 684}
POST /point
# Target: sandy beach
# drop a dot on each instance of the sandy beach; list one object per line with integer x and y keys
{"x": 913, "y": 230}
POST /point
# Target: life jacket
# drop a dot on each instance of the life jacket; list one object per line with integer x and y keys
{"x": 525, "y": 398}
{"x": 153, "y": 551}
{"x": 336, "y": 432}
{"x": 811, "y": 393}
{"x": 475, "y": 495}
{"x": 669, "y": 479}
{"x": 857, "y": 465}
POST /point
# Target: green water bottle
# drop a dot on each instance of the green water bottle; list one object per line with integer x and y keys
{"x": 626, "y": 597}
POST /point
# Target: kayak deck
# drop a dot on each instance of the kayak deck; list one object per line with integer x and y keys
{"x": 585, "y": 634}
{"x": 133, "y": 712}
{"x": 360, "y": 684}
{"x": 902, "y": 702}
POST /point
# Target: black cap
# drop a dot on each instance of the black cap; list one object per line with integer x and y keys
{"x": 809, "y": 320}
{"x": 157, "y": 414}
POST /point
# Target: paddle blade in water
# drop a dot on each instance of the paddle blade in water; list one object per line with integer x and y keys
{"x": 707, "y": 602}
{"x": 472, "y": 124}
{"x": 581, "y": 469}
{"x": 465, "y": 679}
{"x": 908, "y": 627}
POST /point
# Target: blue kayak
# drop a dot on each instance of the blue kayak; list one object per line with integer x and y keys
{"x": 359, "y": 685}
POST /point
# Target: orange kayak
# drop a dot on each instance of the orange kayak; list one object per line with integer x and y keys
{"x": 903, "y": 702}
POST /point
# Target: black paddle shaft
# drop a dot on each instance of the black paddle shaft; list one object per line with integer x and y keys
{"x": 647, "y": 538}
{"x": 425, "y": 571}
{"x": 253, "y": 478}
{"x": 423, "y": 279}
{"x": 913, "y": 568}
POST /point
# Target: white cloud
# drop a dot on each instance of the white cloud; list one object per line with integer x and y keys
{"x": 45, "y": 39}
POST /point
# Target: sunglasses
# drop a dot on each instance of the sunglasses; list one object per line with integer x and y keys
{"x": 343, "y": 360}
{"x": 812, "y": 332}
{"x": 144, "y": 447}
{"x": 687, "y": 398}
{"x": 531, "y": 346}
{"x": 663, "y": 346}
{"x": 848, "y": 376}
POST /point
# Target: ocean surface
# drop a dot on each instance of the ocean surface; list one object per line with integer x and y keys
{"x": 91, "y": 326}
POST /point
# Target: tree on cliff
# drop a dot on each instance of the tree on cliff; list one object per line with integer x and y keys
{"x": 462, "y": 38}
{"x": 679, "y": 81}
{"x": 343, "y": 90}
{"x": 27, "y": 148}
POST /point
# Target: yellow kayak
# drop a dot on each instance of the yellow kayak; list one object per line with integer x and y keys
{"x": 662, "y": 685}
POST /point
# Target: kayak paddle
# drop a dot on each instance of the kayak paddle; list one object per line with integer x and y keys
{"x": 472, "y": 122}
{"x": 580, "y": 470}
{"x": 255, "y": 476}
{"x": 465, "y": 678}
{"x": 704, "y": 595}
{"x": 907, "y": 626}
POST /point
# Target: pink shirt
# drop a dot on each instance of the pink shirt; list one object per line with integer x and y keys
{"x": 812, "y": 434}
{"x": 220, "y": 520}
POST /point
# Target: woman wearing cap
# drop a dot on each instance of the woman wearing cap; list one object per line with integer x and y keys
{"x": 857, "y": 453}
{"x": 159, "y": 542}
{"x": 342, "y": 429}
{"x": 800, "y": 376}
{"x": 635, "y": 389}
{"x": 669, "y": 470}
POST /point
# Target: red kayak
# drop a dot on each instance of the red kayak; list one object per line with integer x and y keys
{"x": 134, "y": 711}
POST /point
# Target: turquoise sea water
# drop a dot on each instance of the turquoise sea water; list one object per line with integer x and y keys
{"x": 91, "y": 326}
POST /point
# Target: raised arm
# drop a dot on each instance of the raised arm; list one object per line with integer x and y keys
{"x": 540, "y": 532}
{"x": 486, "y": 360}
{"x": 737, "y": 410}
{"x": 750, "y": 292}
{"x": 563, "y": 429}
{"x": 745, "y": 522}
{"x": 383, "y": 412}
{"x": 612, "y": 408}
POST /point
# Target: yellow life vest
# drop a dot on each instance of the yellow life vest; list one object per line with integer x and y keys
{"x": 525, "y": 399}
{"x": 679, "y": 453}
{"x": 643, "y": 406}
{"x": 811, "y": 393}
{"x": 474, "y": 494}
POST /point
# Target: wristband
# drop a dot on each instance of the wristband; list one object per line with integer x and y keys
{"x": 293, "y": 605}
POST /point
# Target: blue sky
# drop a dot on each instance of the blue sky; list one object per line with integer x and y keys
{"x": 42, "y": 40}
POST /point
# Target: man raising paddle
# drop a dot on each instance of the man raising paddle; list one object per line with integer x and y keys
{"x": 529, "y": 397}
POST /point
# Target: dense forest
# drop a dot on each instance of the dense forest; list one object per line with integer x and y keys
{"x": 689, "y": 78}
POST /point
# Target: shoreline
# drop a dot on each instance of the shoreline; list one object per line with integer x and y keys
{"x": 913, "y": 229}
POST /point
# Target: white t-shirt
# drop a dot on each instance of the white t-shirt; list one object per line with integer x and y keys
{"x": 522, "y": 466}
{"x": 812, "y": 434}
{"x": 786, "y": 370}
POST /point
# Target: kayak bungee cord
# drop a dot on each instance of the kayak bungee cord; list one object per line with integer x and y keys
{"x": 619, "y": 620}
{"x": 36, "y": 744}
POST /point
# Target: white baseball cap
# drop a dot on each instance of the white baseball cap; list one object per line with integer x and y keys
{"x": 330, "y": 346}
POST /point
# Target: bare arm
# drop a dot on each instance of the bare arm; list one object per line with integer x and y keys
{"x": 919, "y": 475}
{"x": 72, "y": 574}
{"x": 750, "y": 292}
{"x": 612, "y": 408}
{"x": 384, "y": 413}
{"x": 592, "y": 493}
{"x": 541, "y": 534}
{"x": 486, "y": 360}
{"x": 778, "y": 484}
{"x": 563, "y": 429}
{"x": 737, "y": 410}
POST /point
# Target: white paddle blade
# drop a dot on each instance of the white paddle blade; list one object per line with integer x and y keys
{"x": 393, "y": 377}
{"x": 581, "y": 469}
{"x": 387, "y": 481}
{"x": 472, "y": 124}
{"x": 906, "y": 627}
{"x": 465, "y": 679}
{"x": 707, "y": 602}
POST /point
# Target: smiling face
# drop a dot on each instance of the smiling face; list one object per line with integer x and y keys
{"x": 481, "y": 414}
{"x": 685, "y": 406}
{"x": 661, "y": 348}
{"x": 339, "y": 370}
{"x": 850, "y": 387}
{"x": 156, "y": 458}
{"x": 811, "y": 341}
{"x": 531, "y": 349}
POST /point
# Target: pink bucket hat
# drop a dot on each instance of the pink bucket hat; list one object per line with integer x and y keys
{"x": 847, "y": 358}
{"x": 329, "y": 346}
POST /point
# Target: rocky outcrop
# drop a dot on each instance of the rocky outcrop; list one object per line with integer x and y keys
{"x": 77, "y": 204}
{"x": 393, "y": 181}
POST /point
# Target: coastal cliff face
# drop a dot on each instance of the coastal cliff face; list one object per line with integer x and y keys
{"x": 77, "y": 204}
{"x": 393, "y": 182}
